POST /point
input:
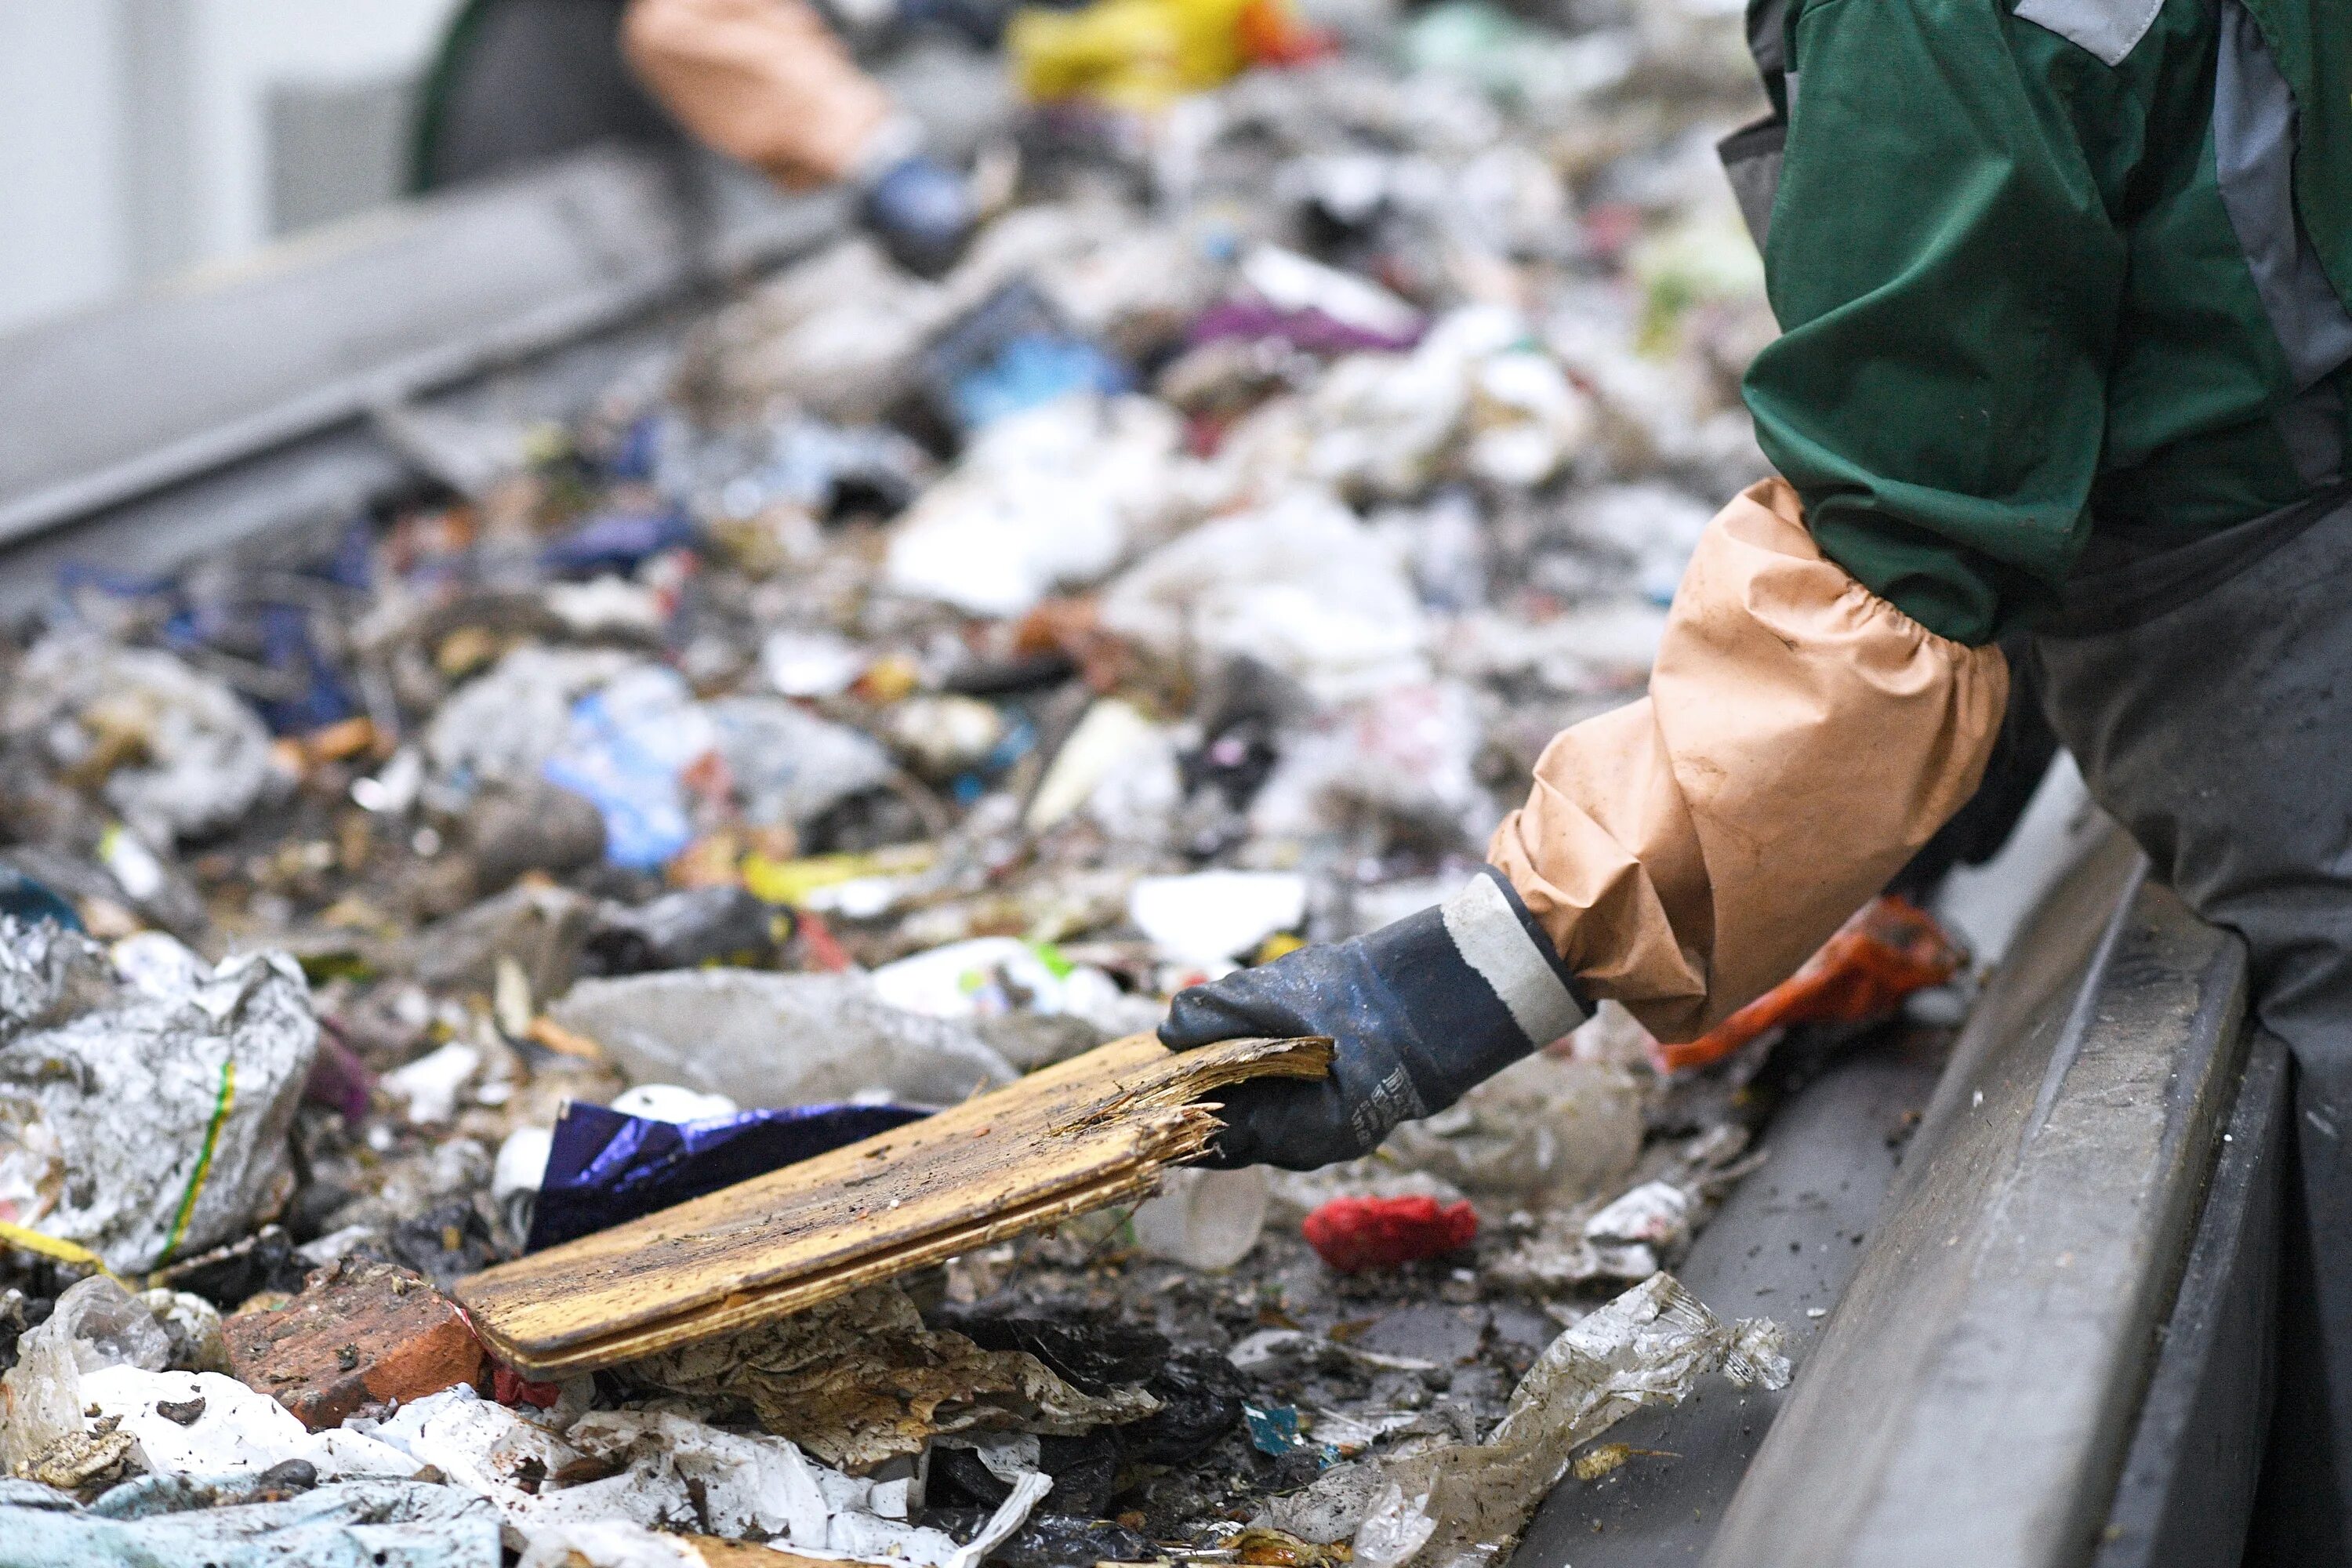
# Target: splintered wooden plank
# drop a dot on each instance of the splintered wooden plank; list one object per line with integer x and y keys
{"x": 1095, "y": 1129}
{"x": 717, "y": 1553}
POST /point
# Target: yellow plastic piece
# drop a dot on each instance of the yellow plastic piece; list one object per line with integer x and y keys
{"x": 1275, "y": 946}
{"x": 1134, "y": 54}
{"x": 790, "y": 882}
{"x": 27, "y": 1239}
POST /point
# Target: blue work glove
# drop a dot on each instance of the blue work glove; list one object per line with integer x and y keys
{"x": 1421, "y": 1011}
{"x": 921, "y": 210}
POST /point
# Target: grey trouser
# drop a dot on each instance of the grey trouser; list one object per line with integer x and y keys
{"x": 2207, "y": 695}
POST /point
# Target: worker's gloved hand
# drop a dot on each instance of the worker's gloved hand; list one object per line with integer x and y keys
{"x": 1421, "y": 1011}
{"x": 921, "y": 210}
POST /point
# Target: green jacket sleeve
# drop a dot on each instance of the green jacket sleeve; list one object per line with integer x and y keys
{"x": 1947, "y": 279}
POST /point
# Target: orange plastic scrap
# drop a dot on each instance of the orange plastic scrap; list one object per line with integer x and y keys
{"x": 1272, "y": 33}
{"x": 1888, "y": 950}
{"x": 1073, "y": 628}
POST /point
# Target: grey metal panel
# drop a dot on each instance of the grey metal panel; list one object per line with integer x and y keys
{"x": 282, "y": 506}
{"x": 336, "y": 148}
{"x": 99, "y": 407}
{"x": 1970, "y": 1400}
{"x": 2188, "y": 1490}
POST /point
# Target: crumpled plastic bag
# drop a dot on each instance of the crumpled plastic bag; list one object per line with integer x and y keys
{"x": 1478, "y": 399}
{"x": 1405, "y": 753}
{"x": 1298, "y": 584}
{"x": 766, "y": 1039}
{"x": 1052, "y": 496}
{"x": 48, "y": 976}
{"x": 1445, "y": 1504}
{"x": 96, "y": 1324}
{"x": 179, "y": 753}
{"x": 788, "y": 764}
{"x": 505, "y": 723}
{"x": 861, "y": 1381}
{"x": 626, "y": 748}
{"x": 1545, "y": 1131}
{"x": 837, "y": 335}
{"x": 605, "y": 1166}
{"x": 139, "y": 1124}
{"x": 354, "y": 1524}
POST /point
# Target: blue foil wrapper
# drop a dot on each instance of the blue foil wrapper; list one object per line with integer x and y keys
{"x": 607, "y": 1167}
{"x": 617, "y": 542}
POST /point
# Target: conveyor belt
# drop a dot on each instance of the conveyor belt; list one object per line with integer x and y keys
{"x": 313, "y": 338}
{"x": 2053, "y": 1343}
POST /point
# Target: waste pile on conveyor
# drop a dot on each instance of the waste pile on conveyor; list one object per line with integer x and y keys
{"x": 898, "y": 690}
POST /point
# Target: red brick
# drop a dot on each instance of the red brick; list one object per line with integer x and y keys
{"x": 359, "y": 1332}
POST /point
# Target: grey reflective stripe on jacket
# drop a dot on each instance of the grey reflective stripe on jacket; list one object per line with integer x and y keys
{"x": 2313, "y": 429}
{"x": 2255, "y": 138}
{"x": 2254, "y": 143}
{"x": 1751, "y": 154}
{"x": 2110, "y": 30}
{"x": 1751, "y": 161}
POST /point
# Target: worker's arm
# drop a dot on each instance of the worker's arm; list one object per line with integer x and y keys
{"x": 1944, "y": 263}
{"x": 761, "y": 80}
{"x": 1950, "y": 281}
{"x": 1950, "y": 278}
{"x": 765, "y": 82}
{"x": 1802, "y": 738}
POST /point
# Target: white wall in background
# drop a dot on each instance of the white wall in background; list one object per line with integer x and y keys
{"x": 134, "y": 139}
{"x": 61, "y": 223}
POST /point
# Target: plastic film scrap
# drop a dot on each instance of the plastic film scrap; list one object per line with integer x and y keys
{"x": 1455, "y": 1505}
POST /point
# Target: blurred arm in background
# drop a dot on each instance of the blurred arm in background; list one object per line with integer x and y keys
{"x": 764, "y": 81}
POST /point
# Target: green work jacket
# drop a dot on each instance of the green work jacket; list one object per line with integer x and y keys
{"x": 2048, "y": 271}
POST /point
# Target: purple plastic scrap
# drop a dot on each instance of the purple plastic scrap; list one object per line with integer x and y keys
{"x": 607, "y": 1167}
{"x": 1254, "y": 321}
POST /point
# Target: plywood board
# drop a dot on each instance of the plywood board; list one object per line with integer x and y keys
{"x": 1094, "y": 1131}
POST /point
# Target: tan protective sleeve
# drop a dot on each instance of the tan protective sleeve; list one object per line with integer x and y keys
{"x": 1802, "y": 738}
{"x": 762, "y": 81}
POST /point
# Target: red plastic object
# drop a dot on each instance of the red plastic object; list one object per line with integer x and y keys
{"x": 509, "y": 1386}
{"x": 1272, "y": 33}
{"x": 824, "y": 949}
{"x": 1888, "y": 950}
{"x": 1353, "y": 1234}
